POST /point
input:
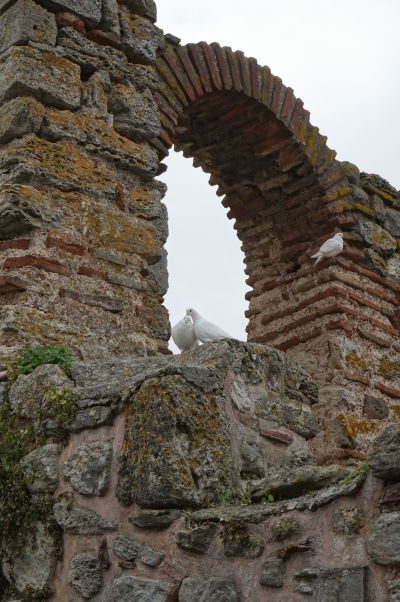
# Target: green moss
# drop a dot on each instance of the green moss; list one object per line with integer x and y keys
{"x": 26, "y": 360}
{"x": 355, "y": 473}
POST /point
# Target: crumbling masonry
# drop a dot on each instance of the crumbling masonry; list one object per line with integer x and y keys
{"x": 228, "y": 473}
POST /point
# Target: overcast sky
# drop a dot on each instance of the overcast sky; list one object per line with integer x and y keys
{"x": 342, "y": 57}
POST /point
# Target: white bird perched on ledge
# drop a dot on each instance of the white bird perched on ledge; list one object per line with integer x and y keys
{"x": 206, "y": 331}
{"x": 330, "y": 248}
{"x": 183, "y": 335}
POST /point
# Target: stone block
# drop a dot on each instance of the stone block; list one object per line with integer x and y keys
{"x": 295, "y": 419}
{"x": 129, "y": 549}
{"x": 197, "y": 539}
{"x": 139, "y": 37}
{"x": 94, "y": 96}
{"x": 214, "y": 589}
{"x": 53, "y": 80}
{"x": 100, "y": 139}
{"x": 25, "y": 21}
{"x": 110, "y": 17}
{"x": 377, "y": 237}
{"x": 391, "y": 222}
{"x": 90, "y": 418}
{"x": 88, "y": 10}
{"x": 84, "y": 575}
{"x": 383, "y": 539}
{"x": 35, "y": 566}
{"x": 23, "y": 208}
{"x": 88, "y": 469}
{"x": 384, "y": 454}
{"x": 20, "y": 116}
{"x": 127, "y": 589}
{"x": 272, "y": 573}
{"x": 375, "y": 407}
{"x": 28, "y": 393}
{"x": 155, "y": 519}
{"x": 333, "y": 585}
{"x": 80, "y": 521}
{"x": 348, "y": 521}
{"x": 252, "y": 459}
{"x": 136, "y": 115}
{"x": 284, "y": 528}
{"x": 238, "y": 543}
{"x": 58, "y": 164}
{"x": 146, "y": 8}
{"x": 41, "y": 468}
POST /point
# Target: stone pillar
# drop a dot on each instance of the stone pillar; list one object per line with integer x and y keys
{"x": 82, "y": 225}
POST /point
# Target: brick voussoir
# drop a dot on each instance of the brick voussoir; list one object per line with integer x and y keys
{"x": 287, "y": 106}
{"x": 255, "y": 79}
{"x": 295, "y": 118}
{"x": 194, "y": 78}
{"x": 266, "y": 87}
{"x": 233, "y": 62}
{"x": 173, "y": 83}
{"x": 179, "y": 71}
{"x": 223, "y": 64}
{"x": 201, "y": 66}
{"x": 245, "y": 73}
{"x": 276, "y": 95}
{"x": 212, "y": 65}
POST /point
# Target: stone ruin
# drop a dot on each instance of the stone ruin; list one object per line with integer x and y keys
{"x": 236, "y": 472}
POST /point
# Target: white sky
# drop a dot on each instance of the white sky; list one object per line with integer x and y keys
{"x": 342, "y": 57}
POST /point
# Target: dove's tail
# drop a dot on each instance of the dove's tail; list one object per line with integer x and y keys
{"x": 318, "y": 257}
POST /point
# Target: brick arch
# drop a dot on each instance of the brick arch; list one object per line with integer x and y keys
{"x": 277, "y": 176}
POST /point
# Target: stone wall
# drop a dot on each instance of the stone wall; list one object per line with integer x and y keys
{"x": 82, "y": 225}
{"x": 191, "y": 479}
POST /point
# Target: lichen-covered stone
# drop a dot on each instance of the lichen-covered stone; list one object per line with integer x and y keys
{"x": 23, "y": 208}
{"x": 301, "y": 422}
{"x": 351, "y": 171}
{"x": 177, "y": 447}
{"x": 391, "y": 222}
{"x": 383, "y": 539}
{"x": 20, "y": 116}
{"x": 252, "y": 459}
{"x": 27, "y": 71}
{"x": 394, "y": 590}
{"x": 238, "y": 543}
{"x": 88, "y": 10}
{"x": 101, "y": 139}
{"x": 28, "y": 393}
{"x": 127, "y": 589}
{"x": 81, "y": 521}
{"x": 348, "y": 521}
{"x": 139, "y": 38}
{"x": 34, "y": 568}
{"x": 384, "y": 454}
{"x": 90, "y": 418}
{"x": 136, "y": 115}
{"x": 110, "y": 17}
{"x": 94, "y": 96}
{"x": 58, "y": 164}
{"x": 285, "y": 527}
{"x": 146, "y": 8}
{"x": 377, "y": 237}
{"x": 197, "y": 539}
{"x": 215, "y": 589}
{"x": 155, "y": 519}
{"x": 84, "y": 575}
{"x": 129, "y": 549}
{"x": 273, "y": 572}
{"x": 26, "y": 21}
{"x": 89, "y": 467}
{"x": 41, "y": 468}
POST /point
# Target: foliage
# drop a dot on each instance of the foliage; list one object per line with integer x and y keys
{"x": 26, "y": 360}
{"x": 355, "y": 473}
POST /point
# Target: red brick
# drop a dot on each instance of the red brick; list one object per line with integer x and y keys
{"x": 166, "y": 108}
{"x": 245, "y": 72}
{"x": 312, "y": 334}
{"x": 186, "y": 61}
{"x": 144, "y": 312}
{"x": 91, "y": 272}
{"x": 104, "y": 38}
{"x": 276, "y": 436}
{"x": 8, "y": 285}
{"x": 255, "y": 79}
{"x": 179, "y": 72}
{"x": 295, "y": 119}
{"x": 341, "y": 324}
{"x": 19, "y": 243}
{"x": 287, "y": 106}
{"x": 223, "y": 66}
{"x": 42, "y": 263}
{"x": 285, "y": 345}
{"x": 276, "y": 95}
{"x": 352, "y": 253}
{"x": 74, "y": 249}
{"x": 371, "y": 336}
{"x": 66, "y": 19}
{"x": 201, "y": 66}
{"x": 233, "y": 62}
{"x": 119, "y": 198}
{"x": 390, "y": 391}
{"x": 211, "y": 61}
{"x": 266, "y": 78}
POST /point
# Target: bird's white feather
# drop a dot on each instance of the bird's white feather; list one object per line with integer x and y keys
{"x": 183, "y": 334}
{"x": 204, "y": 330}
{"x": 330, "y": 248}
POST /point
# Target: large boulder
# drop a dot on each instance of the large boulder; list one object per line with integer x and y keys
{"x": 383, "y": 540}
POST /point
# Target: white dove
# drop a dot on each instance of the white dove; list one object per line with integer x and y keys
{"x": 206, "y": 331}
{"x": 183, "y": 334}
{"x": 330, "y": 248}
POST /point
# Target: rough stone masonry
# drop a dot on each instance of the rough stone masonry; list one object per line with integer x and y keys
{"x": 229, "y": 473}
